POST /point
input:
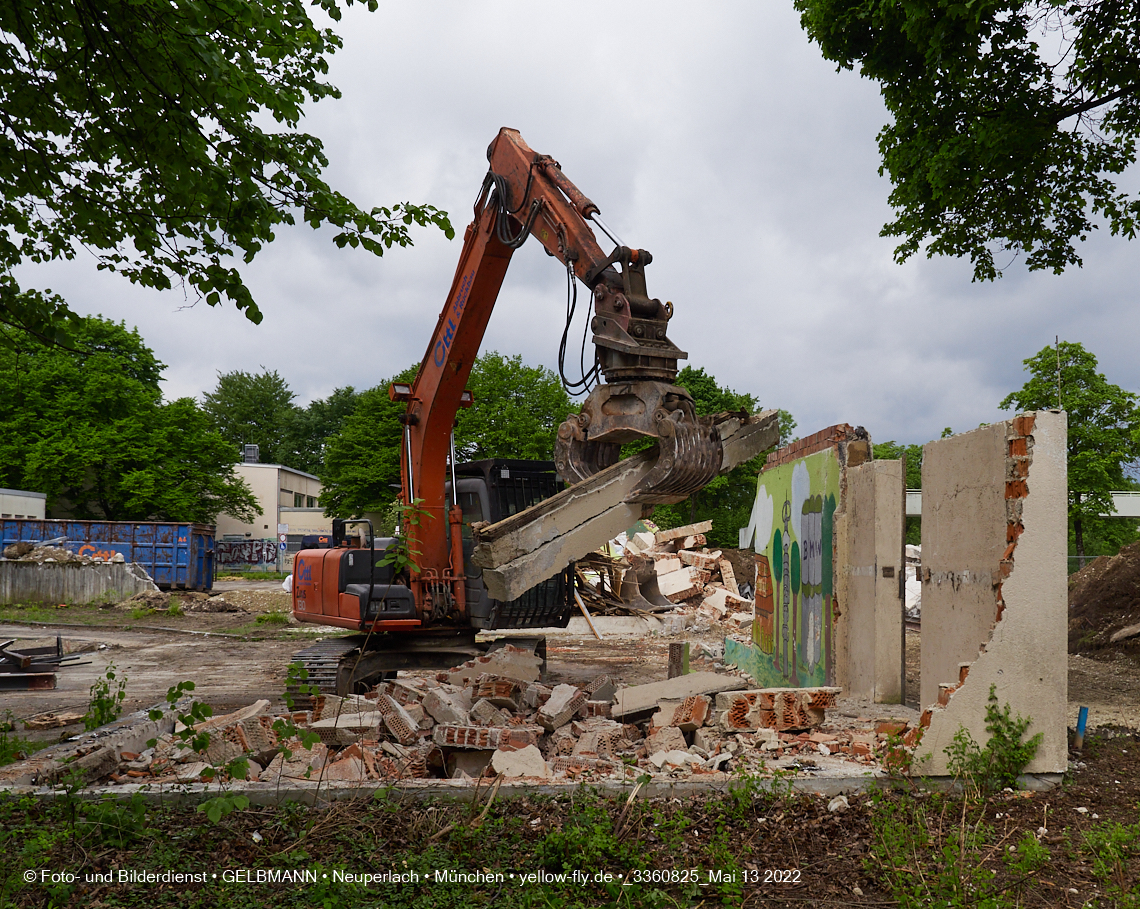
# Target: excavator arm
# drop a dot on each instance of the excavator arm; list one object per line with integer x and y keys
{"x": 526, "y": 194}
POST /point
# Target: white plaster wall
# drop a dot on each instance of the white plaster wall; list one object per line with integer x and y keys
{"x": 1026, "y": 659}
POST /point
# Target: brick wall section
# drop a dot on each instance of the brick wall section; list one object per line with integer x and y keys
{"x": 809, "y": 445}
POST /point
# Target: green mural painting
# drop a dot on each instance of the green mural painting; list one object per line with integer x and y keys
{"x": 792, "y": 530}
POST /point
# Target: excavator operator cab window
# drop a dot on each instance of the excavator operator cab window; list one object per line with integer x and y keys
{"x": 472, "y": 507}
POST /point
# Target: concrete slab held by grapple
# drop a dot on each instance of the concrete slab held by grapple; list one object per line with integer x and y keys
{"x": 643, "y": 698}
{"x": 536, "y": 544}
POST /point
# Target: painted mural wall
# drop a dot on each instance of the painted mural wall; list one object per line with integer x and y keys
{"x": 792, "y": 531}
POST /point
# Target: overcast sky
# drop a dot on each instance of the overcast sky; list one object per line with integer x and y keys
{"x": 715, "y": 136}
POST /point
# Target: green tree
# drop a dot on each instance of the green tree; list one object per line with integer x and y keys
{"x": 162, "y": 136}
{"x": 727, "y": 500}
{"x": 253, "y": 409}
{"x": 890, "y": 451}
{"x": 1012, "y": 121}
{"x": 87, "y": 427}
{"x": 516, "y": 412}
{"x": 361, "y": 469}
{"x": 307, "y": 430}
{"x": 1104, "y": 430}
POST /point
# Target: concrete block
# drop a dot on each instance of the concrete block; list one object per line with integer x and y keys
{"x": 676, "y": 758}
{"x": 677, "y": 585}
{"x": 484, "y": 738}
{"x": 667, "y": 738}
{"x": 565, "y": 702}
{"x": 688, "y": 714}
{"x": 629, "y": 702}
{"x": 526, "y": 761}
{"x": 349, "y": 769}
{"x": 397, "y": 721}
{"x": 499, "y": 692}
{"x": 508, "y": 662}
{"x": 487, "y": 714}
{"x": 698, "y": 559}
{"x": 678, "y": 533}
{"x": 645, "y": 541}
{"x": 664, "y": 566}
{"x": 601, "y": 688}
{"x": 576, "y": 763}
{"x": 728, "y": 576}
{"x": 450, "y": 708}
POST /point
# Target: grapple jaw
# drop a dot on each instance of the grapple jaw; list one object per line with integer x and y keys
{"x": 689, "y": 447}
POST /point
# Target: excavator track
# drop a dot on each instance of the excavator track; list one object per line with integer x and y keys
{"x": 322, "y": 662}
{"x": 340, "y": 666}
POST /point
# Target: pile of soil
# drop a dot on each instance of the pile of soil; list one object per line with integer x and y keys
{"x": 188, "y": 601}
{"x": 1104, "y": 598}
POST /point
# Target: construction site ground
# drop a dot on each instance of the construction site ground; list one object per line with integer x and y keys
{"x": 235, "y": 659}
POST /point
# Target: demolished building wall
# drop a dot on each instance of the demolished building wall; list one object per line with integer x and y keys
{"x": 871, "y": 646}
{"x": 805, "y": 543}
{"x": 994, "y": 605}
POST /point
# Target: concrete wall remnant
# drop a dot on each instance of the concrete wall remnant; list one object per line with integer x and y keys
{"x": 71, "y": 582}
{"x": 994, "y": 602}
{"x": 827, "y": 529}
{"x": 870, "y": 632}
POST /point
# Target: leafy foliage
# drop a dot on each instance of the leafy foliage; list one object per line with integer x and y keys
{"x": 162, "y": 137}
{"x": 252, "y": 409}
{"x": 1005, "y": 755}
{"x": 1104, "y": 429}
{"x": 308, "y": 429}
{"x": 517, "y": 410}
{"x": 361, "y": 471}
{"x": 87, "y": 426}
{"x": 516, "y": 414}
{"x": 106, "y": 703}
{"x": 1011, "y": 120}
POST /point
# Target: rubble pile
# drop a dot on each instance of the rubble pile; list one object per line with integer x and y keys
{"x": 491, "y": 717}
{"x": 1104, "y": 605}
{"x": 677, "y": 574}
{"x": 41, "y": 553}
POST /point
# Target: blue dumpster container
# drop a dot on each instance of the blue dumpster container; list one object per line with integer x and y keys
{"x": 177, "y": 556}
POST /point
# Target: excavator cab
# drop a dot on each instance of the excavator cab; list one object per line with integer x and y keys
{"x": 489, "y": 491}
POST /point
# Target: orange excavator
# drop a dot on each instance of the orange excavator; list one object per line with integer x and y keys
{"x": 428, "y": 614}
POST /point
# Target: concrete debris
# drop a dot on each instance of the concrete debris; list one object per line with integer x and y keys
{"x": 487, "y": 725}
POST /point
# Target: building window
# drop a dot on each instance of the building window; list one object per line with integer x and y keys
{"x": 298, "y": 500}
{"x": 312, "y": 502}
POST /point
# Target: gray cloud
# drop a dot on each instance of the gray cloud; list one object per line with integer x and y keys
{"x": 713, "y": 135}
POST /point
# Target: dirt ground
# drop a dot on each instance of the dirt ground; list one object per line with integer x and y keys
{"x": 234, "y": 661}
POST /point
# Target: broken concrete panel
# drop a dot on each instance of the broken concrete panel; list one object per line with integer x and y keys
{"x": 600, "y": 688}
{"x": 349, "y": 769}
{"x": 449, "y": 708}
{"x": 666, "y": 565}
{"x": 679, "y": 533}
{"x": 508, "y": 661}
{"x": 688, "y": 714}
{"x": 484, "y": 738}
{"x": 526, "y": 761}
{"x": 565, "y": 702}
{"x": 973, "y": 511}
{"x": 1125, "y": 633}
{"x": 396, "y": 719}
{"x": 499, "y": 692}
{"x": 722, "y": 600}
{"x": 728, "y": 576}
{"x": 629, "y": 702}
{"x": 696, "y": 559}
{"x": 667, "y": 738}
{"x": 541, "y": 541}
{"x": 871, "y": 626}
{"x": 488, "y": 714}
{"x": 677, "y": 585}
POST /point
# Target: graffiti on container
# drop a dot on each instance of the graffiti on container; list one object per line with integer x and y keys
{"x": 245, "y": 552}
